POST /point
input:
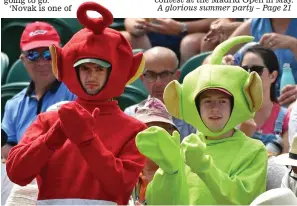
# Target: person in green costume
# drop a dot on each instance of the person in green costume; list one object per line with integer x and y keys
{"x": 219, "y": 164}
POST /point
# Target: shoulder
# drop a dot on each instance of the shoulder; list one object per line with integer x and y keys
{"x": 132, "y": 122}
{"x": 16, "y": 99}
{"x": 56, "y": 106}
{"x": 251, "y": 144}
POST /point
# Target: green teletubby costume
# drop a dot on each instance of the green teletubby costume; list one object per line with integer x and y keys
{"x": 202, "y": 171}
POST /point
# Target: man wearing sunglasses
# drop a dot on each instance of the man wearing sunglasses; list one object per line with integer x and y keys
{"x": 161, "y": 67}
{"x": 44, "y": 90}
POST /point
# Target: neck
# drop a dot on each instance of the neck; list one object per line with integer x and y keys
{"x": 228, "y": 134}
{"x": 41, "y": 88}
{"x": 264, "y": 113}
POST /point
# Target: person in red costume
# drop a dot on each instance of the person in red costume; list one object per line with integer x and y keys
{"x": 85, "y": 152}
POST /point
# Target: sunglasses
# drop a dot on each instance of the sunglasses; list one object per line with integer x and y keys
{"x": 34, "y": 55}
{"x": 254, "y": 68}
{"x": 152, "y": 76}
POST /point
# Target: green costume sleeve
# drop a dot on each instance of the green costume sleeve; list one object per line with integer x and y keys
{"x": 168, "y": 189}
{"x": 169, "y": 184}
{"x": 243, "y": 186}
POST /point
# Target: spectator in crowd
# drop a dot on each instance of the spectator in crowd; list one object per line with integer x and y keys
{"x": 183, "y": 36}
{"x": 44, "y": 89}
{"x": 290, "y": 160}
{"x": 203, "y": 170}
{"x": 161, "y": 67}
{"x": 85, "y": 153}
{"x": 271, "y": 120}
{"x": 293, "y": 123}
{"x": 279, "y": 34}
{"x": 153, "y": 113}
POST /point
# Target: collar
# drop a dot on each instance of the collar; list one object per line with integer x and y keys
{"x": 53, "y": 87}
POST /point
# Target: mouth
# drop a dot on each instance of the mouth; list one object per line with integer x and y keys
{"x": 92, "y": 85}
{"x": 215, "y": 118}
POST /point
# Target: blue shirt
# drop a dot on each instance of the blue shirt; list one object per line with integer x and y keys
{"x": 262, "y": 26}
{"x": 23, "y": 108}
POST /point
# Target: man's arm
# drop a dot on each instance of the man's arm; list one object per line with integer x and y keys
{"x": 34, "y": 150}
{"x": 9, "y": 125}
{"x": 243, "y": 29}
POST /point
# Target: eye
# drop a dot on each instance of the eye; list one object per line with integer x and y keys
{"x": 84, "y": 68}
{"x": 207, "y": 101}
{"x": 223, "y": 101}
{"x": 99, "y": 69}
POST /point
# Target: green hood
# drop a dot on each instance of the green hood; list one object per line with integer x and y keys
{"x": 245, "y": 87}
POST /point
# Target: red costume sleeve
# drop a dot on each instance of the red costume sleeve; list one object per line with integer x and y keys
{"x": 26, "y": 159}
{"x": 117, "y": 174}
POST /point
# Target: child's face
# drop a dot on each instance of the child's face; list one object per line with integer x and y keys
{"x": 215, "y": 109}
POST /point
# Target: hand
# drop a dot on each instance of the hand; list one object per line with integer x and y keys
{"x": 193, "y": 152}
{"x": 5, "y": 150}
{"x": 248, "y": 127}
{"x": 288, "y": 95}
{"x": 136, "y": 26}
{"x": 220, "y": 30}
{"x": 77, "y": 123}
{"x": 164, "y": 26}
{"x": 228, "y": 60}
{"x": 162, "y": 148}
{"x": 277, "y": 41}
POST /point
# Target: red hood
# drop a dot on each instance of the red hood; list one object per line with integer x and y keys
{"x": 97, "y": 41}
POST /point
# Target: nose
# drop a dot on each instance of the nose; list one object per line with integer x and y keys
{"x": 159, "y": 80}
{"x": 214, "y": 106}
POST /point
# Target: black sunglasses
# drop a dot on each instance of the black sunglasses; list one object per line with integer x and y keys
{"x": 254, "y": 68}
{"x": 34, "y": 55}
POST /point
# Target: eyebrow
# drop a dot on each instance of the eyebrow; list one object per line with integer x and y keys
{"x": 220, "y": 97}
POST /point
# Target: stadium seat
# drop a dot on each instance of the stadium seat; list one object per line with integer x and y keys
{"x": 192, "y": 64}
{"x": 17, "y": 73}
{"x": 4, "y": 67}
{"x": 131, "y": 96}
{"x": 8, "y": 91}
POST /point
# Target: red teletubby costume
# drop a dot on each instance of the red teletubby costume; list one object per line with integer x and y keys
{"x": 85, "y": 152}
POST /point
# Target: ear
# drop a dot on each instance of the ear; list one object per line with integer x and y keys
{"x": 273, "y": 76}
{"x": 56, "y": 61}
{"x": 177, "y": 74}
{"x": 172, "y": 96}
{"x": 137, "y": 67}
{"x": 253, "y": 91}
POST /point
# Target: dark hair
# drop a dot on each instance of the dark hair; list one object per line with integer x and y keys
{"x": 271, "y": 62}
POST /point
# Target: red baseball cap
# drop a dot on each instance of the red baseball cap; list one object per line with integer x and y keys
{"x": 39, "y": 34}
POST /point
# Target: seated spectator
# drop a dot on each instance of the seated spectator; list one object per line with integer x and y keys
{"x": 290, "y": 160}
{"x": 293, "y": 123}
{"x": 153, "y": 113}
{"x": 183, "y": 36}
{"x": 281, "y": 36}
{"x": 271, "y": 120}
{"x": 161, "y": 67}
{"x": 44, "y": 89}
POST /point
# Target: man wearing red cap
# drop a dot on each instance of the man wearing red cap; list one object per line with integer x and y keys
{"x": 44, "y": 89}
{"x": 84, "y": 153}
